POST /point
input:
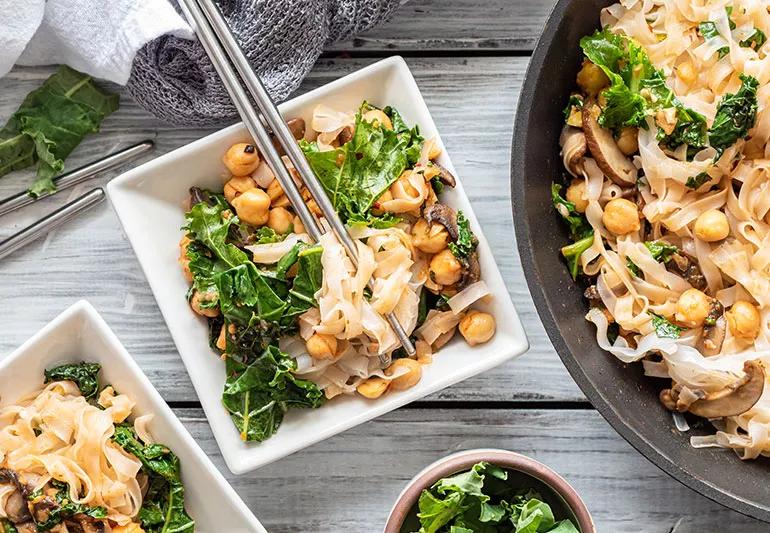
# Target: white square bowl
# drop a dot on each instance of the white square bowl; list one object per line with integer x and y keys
{"x": 149, "y": 199}
{"x": 80, "y": 334}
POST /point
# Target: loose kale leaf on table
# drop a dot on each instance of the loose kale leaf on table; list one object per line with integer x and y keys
{"x": 50, "y": 123}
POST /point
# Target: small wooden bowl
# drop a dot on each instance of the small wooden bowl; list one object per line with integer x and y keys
{"x": 523, "y": 472}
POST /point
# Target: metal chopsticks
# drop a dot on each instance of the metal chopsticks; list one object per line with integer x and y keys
{"x": 222, "y": 48}
{"x": 50, "y": 221}
{"x": 79, "y": 175}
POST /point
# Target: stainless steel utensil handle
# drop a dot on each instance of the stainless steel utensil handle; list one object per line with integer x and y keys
{"x": 77, "y": 176}
{"x": 275, "y": 122}
{"x": 51, "y": 221}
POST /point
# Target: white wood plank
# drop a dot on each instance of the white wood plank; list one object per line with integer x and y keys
{"x": 350, "y": 482}
{"x": 472, "y": 100}
{"x": 456, "y": 25}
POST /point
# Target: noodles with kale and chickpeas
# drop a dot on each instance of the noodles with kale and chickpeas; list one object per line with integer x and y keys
{"x": 71, "y": 461}
{"x": 667, "y": 201}
{"x": 295, "y": 322}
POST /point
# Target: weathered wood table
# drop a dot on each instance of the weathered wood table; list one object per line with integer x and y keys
{"x": 469, "y": 59}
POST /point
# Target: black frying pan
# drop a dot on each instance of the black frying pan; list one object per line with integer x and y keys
{"x": 621, "y": 393}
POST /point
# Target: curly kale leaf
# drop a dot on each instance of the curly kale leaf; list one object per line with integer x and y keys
{"x": 736, "y": 115}
{"x": 466, "y": 241}
{"x": 83, "y": 374}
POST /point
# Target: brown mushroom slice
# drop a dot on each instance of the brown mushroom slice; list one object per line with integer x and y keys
{"x": 604, "y": 149}
{"x": 713, "y": 337}
{"x": 471, "y": 271}
{"x": 446, "y": 177}
{"x": 444, "y": 215}
{"x": 573, "y": 148}
{"x": 297, "y": 129}
{"x": 736, "y": 398}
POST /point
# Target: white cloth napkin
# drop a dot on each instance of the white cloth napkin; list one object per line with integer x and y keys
{"x": 98, "y": 37}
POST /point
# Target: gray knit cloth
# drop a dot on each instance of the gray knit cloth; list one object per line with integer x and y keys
{"x": 173, "y": 78}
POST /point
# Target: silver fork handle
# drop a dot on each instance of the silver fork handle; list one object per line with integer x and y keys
{"x": 51, "y": 221}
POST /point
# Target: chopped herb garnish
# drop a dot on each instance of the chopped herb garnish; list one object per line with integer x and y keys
{"x": 664, "y": 328}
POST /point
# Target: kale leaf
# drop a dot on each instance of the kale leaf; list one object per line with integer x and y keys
{"x": 664, "y": 328}
{"x": 755, "y": 40}
{"x": 577, "y": 223}
{"x": 735, "y": 115}
{"x": 466, "y": 241}
{"x": 258, "y": 394}
{"x": 257, "y": 308}
{"x": 482, "y": 500}
{"x": 696, "y": 182}
{"x": 163, "y": 508}
{"x": 357, "y": 173}
{"x": 83, "y": 374}
{"x": 50, "y": 123}
{"x": 410, "y": 137}
{"x": 572, "y": 253}
{"x": 661, "y": 250}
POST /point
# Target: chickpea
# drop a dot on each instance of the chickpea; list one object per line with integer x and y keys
{"x": 692, "y": 308}
{"x": 592, "y": 78}
{"x": 299, "y": 227}
{"x": 621, "y": 216}
{"x": 198, "y": 299}
{"x": 429, "y": 239}
{"x": 409, "y": 379}
{"x": 279, "y": 220}
{"x": 576, "y": 194}
{"x": 628, "y": 141}
{"x": 373, "y": 387}
{"x": 378, "y": 117}
{"x": 712, "y": 226}
{"x": 744, "y": 320}
{"x": 184, "y": 262}
{"x": 320, "y": 346}
{"x": 253, "y": 207}
{"x": 477, "y": 327}
{"x": 222, "y": 339}
{"x": 237, "y": 185}
{"x": 241, "y": 159}
{"x": 444, "y": 268}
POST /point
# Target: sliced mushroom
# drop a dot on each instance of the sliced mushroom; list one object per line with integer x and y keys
{"x": 713, "y": 337}
{"x": 604, "y": 149}
{"x": 16, "y": 504}
{"x": 733, "y": 400}
{"x": 446, "y": 177}
{"x": 714, "y": 331}
{"x": 687, "y": 268}
{"x": 471, "y": 271}
{"x": 573, "y": 148}
{"x": 297, "y": 128}
{"x": 444, "y": 215}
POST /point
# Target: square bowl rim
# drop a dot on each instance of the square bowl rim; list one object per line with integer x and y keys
{"x": 240, "y": 461}
{"x": 82, "y": 310}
